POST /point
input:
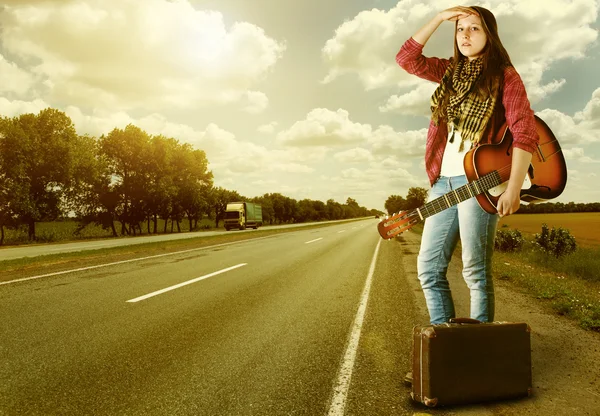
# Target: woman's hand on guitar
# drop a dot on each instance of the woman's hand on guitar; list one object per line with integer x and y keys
{"x": 509, "y": 202}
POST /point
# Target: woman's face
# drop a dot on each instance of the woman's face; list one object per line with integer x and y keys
{"x": 470, "y": 37}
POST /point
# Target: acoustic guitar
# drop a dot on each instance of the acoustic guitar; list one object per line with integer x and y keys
{"x": 487, "y": 168}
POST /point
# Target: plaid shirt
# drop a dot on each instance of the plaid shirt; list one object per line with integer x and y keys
{"x": 514, "y": 108}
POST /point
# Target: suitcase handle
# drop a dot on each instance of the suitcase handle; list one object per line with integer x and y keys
{"x": 464, "y": 321}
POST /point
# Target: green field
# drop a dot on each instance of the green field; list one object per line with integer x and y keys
{"x": 583, "y": 226}
{"x": 61, "y": 231}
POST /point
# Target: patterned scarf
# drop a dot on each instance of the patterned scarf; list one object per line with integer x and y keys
{"x": 463, "y": 108}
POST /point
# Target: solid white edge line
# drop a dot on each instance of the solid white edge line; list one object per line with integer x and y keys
{"x": 340, "y": 391}
{"x": 81, "y": 269}
{"x": 189, "y": 282}
{"x": 312, "y": 241}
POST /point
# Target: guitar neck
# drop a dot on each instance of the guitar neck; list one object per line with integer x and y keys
{"x": 461, "y": 194}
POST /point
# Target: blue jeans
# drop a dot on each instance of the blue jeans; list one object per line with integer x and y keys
{"x": 476, "y": 230}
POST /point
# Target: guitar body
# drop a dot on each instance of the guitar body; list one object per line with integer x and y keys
{"x": 547, "y": 173}
{"x": 487, "y": 168}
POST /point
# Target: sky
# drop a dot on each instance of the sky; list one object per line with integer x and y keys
{"x": 301, "y": 98}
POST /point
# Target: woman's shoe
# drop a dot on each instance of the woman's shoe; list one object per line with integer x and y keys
{"x": 408, "y": 378}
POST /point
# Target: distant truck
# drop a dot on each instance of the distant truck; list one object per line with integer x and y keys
{"x": 242, "y": 215}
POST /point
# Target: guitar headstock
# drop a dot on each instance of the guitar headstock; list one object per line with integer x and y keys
{"x": 396, "y": 224}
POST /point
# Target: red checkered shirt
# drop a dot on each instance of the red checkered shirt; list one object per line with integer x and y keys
{"x": 515, "y": 109}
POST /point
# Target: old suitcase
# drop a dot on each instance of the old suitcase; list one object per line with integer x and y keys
{"x": 466, "y": 361}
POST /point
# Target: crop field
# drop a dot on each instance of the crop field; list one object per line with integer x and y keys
{"x": 585, "y": 226}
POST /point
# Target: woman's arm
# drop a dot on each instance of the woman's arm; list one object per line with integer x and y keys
{"x": 410, "y": 57}
{"x": 451, "y": 14}
{"x": 510, "y": 201}
{"x": 521, "y": 123}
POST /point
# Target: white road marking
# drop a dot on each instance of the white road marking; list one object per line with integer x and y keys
{"x": 189, "y": 282}
{"x": 340, "y": 392}
{"x": 128, "y": 261}
{"x": 312, "y": 241}
{"x": 86, "y": 246}
{"x": 343, "y": 231}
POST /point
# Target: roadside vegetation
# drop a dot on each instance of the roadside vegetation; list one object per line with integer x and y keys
{"x": 551, "y": 267}
{"x": 127, "y": 182}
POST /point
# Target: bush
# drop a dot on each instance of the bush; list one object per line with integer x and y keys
{"x": 557, "y": 241}
{"x": 509, "y": 240}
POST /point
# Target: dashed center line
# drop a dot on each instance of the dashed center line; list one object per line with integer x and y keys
{"x": 189, "y": 282}
{"x": 312, "y": 241}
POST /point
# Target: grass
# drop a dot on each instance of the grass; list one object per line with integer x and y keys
{"x": 567, "y": 286}
{"x": 59, "y": 231}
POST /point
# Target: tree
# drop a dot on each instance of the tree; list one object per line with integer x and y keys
{"x": 126, "y": 151}
{"x": 305, "y": 211}
{"x": 93, "y": 197}
{"x": 161, "y": 153}
{"x": 416, "y": 197}
{"x": 267, "y": 208}
{"x": 334, "y": 210}
{"x": 395, "y": 204}
{"x": 38, "y": 153}
{"x": 193, "y": 182}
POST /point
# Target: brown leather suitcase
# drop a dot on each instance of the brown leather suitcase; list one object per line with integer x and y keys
{"x": 467, "y": 361}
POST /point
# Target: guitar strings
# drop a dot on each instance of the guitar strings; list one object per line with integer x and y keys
{"x": 465, "y": 192}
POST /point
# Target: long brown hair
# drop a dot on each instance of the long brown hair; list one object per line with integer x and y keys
{"x": 494, "y": 56}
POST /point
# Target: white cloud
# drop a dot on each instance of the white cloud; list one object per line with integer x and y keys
{"x": 14, "y": 108}
{"x": 14, "y": 79}
{"x": 267, "y": 128}
{"x": 569, "y": 130}
{"x": 122, "y": 54}
{"x": 415, "y": 102}
{"x": 590, "y": 115}
{"x": 578, "y": 154}
{"x": 536, "y": 34}
{"x": 323, "y": 127}
{"x": 257, "y": 102}
{"x": 387, "y": 142}
{"x": 356, "y": 155}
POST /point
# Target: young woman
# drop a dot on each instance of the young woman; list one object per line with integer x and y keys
{"x": 478, "y": 91}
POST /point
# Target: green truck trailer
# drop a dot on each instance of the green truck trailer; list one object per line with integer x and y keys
{"x": 242, "y": 215}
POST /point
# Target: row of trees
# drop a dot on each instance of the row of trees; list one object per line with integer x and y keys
{"x": 417, "y": 197}
{"x": 556, "y": 207}
{"x": 126, "y": 179}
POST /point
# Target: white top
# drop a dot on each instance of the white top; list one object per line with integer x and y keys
{"x": 452, "y": 163}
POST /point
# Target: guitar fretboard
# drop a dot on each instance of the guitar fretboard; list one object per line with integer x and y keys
{"x": 461, "y": 194}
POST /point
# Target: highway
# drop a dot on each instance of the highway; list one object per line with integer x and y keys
{"x": 259, "y": 327}
{"x": 310, "y": 322}
{"x": 36, "y": 250}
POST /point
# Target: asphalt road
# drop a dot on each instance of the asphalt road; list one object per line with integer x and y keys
{"x": 266, "y": 337}
{"x": 311, "y": 322}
